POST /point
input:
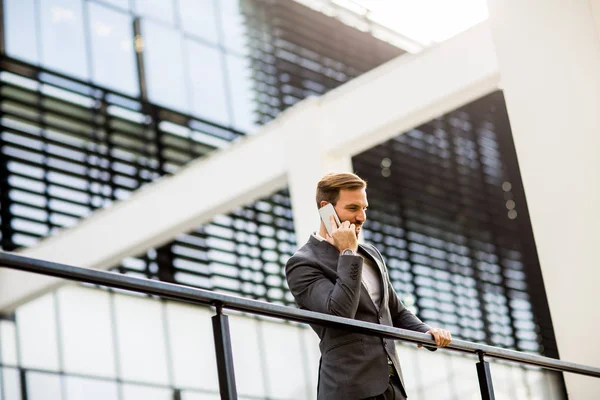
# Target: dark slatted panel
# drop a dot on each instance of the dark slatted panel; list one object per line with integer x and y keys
{"x": 298, "y": 52}
{"x": 445, "y": 217}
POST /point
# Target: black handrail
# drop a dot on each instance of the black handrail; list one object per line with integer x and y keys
{"x": 221, "y": 301}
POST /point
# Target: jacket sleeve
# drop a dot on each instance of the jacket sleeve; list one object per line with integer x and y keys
{"x": 315, "y": 292}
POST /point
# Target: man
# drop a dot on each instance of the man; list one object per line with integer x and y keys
{"x": 335, "y": 275}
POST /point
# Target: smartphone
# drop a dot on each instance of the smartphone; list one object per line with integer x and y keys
{"x": 326, "y": 212}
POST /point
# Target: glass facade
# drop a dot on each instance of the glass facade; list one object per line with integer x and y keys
{"x": 98, "y": 98}
{"x": 106, "y": 345}
{"x": 193, "y": 52}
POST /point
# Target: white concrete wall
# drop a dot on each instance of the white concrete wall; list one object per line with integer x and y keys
{"x": 549, "y": 60}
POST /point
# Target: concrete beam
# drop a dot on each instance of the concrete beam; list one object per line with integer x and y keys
{"x": 409, "y": 91}
{"x": 391, "y": 99}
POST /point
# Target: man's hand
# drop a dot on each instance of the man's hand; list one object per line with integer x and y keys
{"x": 344, "y": 236}
{"x": 442, "y": 337}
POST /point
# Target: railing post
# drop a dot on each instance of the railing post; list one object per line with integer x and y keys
{"x": 485, "y": 378}
{"x": 23, "y": 379}
{"x": 177, "y": 394}
{"x": 224, "y": 355}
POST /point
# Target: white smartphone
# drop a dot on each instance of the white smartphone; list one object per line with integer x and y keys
{"x": 326, "y": 212}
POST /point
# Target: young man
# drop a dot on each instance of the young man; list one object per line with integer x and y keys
{"x": 333, "y": 274}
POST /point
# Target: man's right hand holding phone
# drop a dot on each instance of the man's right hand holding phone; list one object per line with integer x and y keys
{"x": 344, "y": 236}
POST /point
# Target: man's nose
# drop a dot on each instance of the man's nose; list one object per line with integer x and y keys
{"x": 361, "y": 216}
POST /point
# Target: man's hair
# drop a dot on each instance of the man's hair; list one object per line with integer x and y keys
{"x": 328, "y": 188}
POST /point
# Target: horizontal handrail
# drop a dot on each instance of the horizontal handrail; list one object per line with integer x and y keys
{"x": 200, "y": 296}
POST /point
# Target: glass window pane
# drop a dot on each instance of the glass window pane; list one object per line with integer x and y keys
{"x": 8, "y": 341}
{"x": 90, "y": 389}
{"x": 249, "y": 375}
{"x": 199, "y": 18}
{"x": 42, "y": 386}
{"x": 187, "y": 395}
{"x": 86, "y": 330}
{"x": 313, "y": 355}
{"x": 137, "y": 392}
{"x": 285, "y": 370}
{"x": 234, "y": 31}
{"x": 241, "y": 93}
{"x": 141, "y": 339}
{"x": 163, "y": 55}
{"x": 38, "y": 351}
{"x": 209, "y": 98}
{"x": 192, "y": 347}
{"x": 12, "y": 384}
{"x": 20, "y": 30}
{"x": 124, "y": 4}
{"x": 113, "y": 52}
{"x": 63, "y": 38}
{"x": 159, "y": 9}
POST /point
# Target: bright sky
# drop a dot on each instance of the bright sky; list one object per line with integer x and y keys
{"x": 425, "y": 21}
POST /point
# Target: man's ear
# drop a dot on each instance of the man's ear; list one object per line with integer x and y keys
{"x": 323, "y": 203}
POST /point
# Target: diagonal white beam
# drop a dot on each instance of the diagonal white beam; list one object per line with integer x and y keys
{"x": 393, "y": 98}
{"x": 409, "y": 91}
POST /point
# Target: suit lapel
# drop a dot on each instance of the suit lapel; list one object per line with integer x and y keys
{"x": 374, "y": 258}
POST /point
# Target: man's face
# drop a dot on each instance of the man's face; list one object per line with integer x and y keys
{"x": 352, "y": 206}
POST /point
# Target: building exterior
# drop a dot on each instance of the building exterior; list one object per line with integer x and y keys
{"x": 100, "y": 98}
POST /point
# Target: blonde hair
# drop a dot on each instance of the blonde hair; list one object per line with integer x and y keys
{"x": 328, "y": 188}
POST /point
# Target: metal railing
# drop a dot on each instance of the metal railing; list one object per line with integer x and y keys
{"x": 222, "y": 338}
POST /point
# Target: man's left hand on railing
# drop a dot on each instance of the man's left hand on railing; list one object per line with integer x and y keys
{"x": 442, "y": 337}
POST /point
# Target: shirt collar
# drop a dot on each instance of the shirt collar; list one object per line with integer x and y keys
{"x": 319, "y": 237}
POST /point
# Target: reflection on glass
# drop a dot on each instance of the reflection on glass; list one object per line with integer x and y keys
{"x": 208, "y": 95}
{"x": 245, "y": 345}
{"x": 63, "y": 39}
{"x": 90, "y": 389}
{"x": 141, "y": 339}
{"x": 189, "y": 395}
{"x": 113, "y": 53}
{"x": 241, "y": 92}
{"x": 119, "y": 3}
{"x": 136, "y": 392}
{"x": 20, "y": 30}
{"x": 11, "y": 383}
{"x": 192, "y": 347}
{"x": 159, "y": 9}
{"x": 199, "y": 18}
{"x": 285, "y": 370}
{"x": 87, "y": 342}
{"x": 163, "y": 55}
{"x": 234, "y": 33}
{"x": 42, "y": 386}
{"x": 38, "y": 351}
{"x": 8, "y": 343}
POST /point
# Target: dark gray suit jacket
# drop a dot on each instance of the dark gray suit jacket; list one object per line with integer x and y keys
{"x": 353, "y": 366}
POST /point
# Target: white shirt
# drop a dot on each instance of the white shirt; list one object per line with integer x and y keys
{"x": 370, "y": 276}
